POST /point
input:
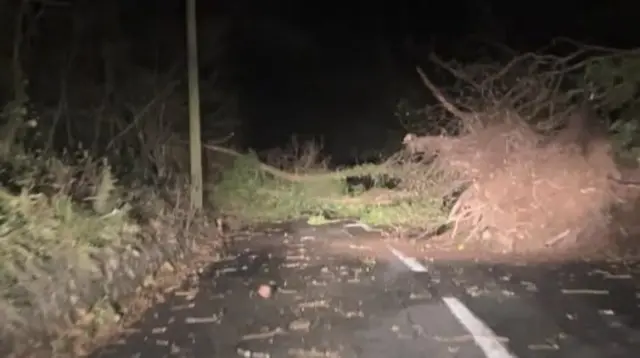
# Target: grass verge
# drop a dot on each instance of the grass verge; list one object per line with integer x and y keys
{"x": 363, "y": 192}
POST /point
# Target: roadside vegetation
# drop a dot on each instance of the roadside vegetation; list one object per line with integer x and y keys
{"x": 368, "y": 193}
{"x": 533, "y": 153}
{"x": 94, "y": 199}
{"x": 93, "y": 180}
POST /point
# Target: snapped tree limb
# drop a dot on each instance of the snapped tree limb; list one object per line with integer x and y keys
{"x": 379, "y": 169}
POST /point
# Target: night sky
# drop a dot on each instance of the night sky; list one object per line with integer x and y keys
{"x": 337, "y": 69}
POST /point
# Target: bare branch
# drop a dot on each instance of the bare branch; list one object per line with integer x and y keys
{"x": 223, "y": 139}
{"x": 440, "y": 97}
{"x": 458, "y": 74}
{"x": 163, "y": 94}
{"x": 588, "y": 47}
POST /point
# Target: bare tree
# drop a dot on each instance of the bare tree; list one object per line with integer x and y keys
{"x": 195, "y": 145}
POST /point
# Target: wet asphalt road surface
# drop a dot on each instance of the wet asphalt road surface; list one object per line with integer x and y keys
{"x": 341, "y": 291}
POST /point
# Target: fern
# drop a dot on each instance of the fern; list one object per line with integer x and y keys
{"x": 103, "y": 198}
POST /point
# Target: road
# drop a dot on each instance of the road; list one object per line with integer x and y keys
{"x": 341, "y": 290}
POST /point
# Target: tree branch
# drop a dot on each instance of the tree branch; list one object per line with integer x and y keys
{"x": 441, "y": 98}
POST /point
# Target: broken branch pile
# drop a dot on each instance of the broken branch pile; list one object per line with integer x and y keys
{"x": 538, "y": 165}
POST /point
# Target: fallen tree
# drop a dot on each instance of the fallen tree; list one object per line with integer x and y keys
{"x": 536, "y": 163}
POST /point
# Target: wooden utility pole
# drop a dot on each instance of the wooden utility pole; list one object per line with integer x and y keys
{"x": 195, "y": 141}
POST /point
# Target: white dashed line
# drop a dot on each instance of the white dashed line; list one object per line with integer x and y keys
{"x": 484, "y": 337}
{"x": 410, "y": 262}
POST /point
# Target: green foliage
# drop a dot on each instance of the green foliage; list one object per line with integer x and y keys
{"x": 103, "y": 192}
{"x": 616, "y": 79}
{"x": 252, "y": 194}
{"x": 52, "y": 242}
{"x": 247, "y": 191}
{"x": 37, "y": 232}
{"x": 40, "y": 222}
{"x": 68, "y": 234}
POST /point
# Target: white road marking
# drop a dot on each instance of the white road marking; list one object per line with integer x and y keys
{"x": 363, "y": 226}
{"x": 410, "y": 262}
{"x": 484, "y": 337}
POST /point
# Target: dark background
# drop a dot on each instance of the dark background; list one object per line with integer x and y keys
{"x": 331, "y": 71}
{"x": 337, "y": 69}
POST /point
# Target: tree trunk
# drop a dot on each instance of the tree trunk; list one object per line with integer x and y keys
{"x": 195, "y": 145}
